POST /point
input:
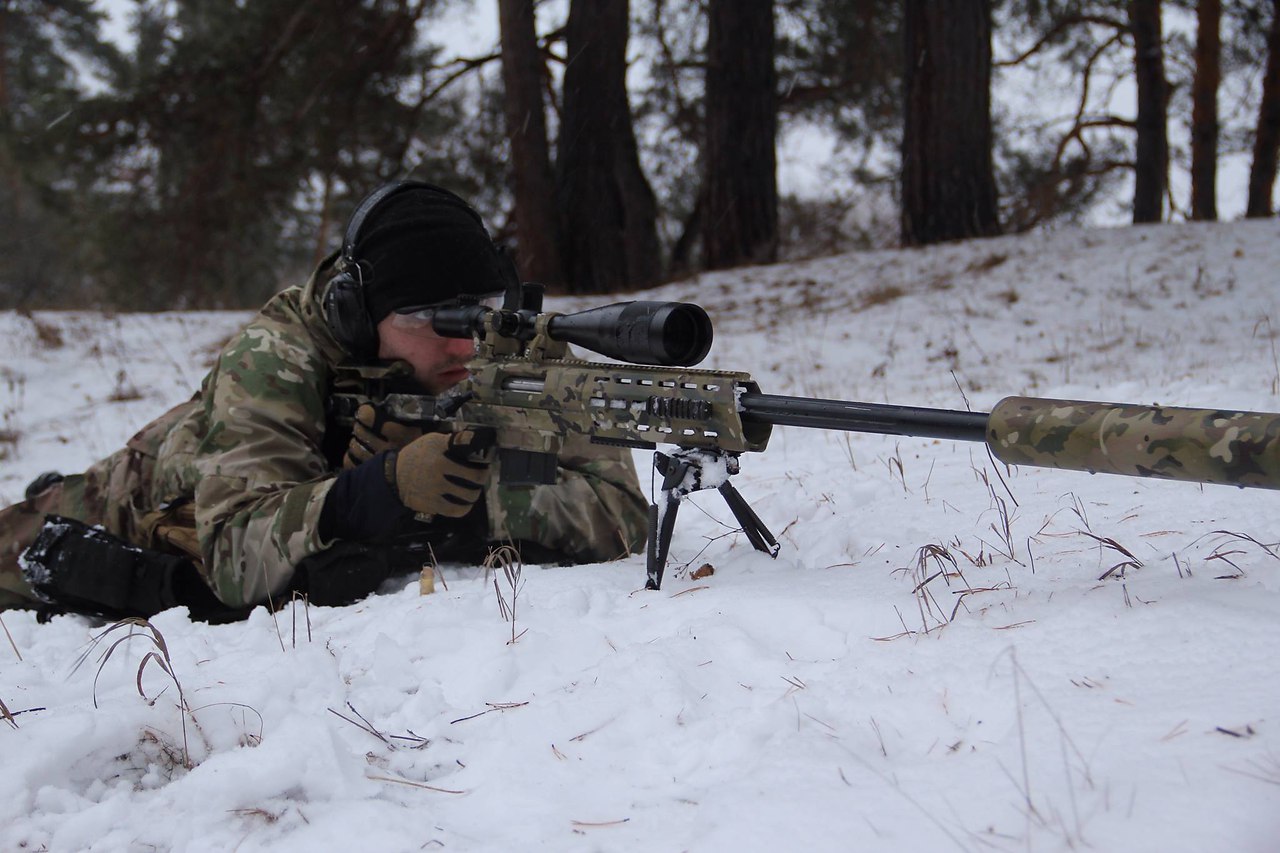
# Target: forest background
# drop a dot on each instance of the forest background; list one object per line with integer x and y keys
{"x": 194, "y": 154}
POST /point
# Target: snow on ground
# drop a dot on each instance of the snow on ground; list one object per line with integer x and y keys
{"x": 935, "y": 661}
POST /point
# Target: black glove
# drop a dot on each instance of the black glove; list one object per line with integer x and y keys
{"x": 81, "y": 569}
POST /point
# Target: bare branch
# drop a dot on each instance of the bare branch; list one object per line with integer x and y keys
{"x": 1066, "y": 23}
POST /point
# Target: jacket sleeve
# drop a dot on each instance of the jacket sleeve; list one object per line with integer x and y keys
{"x": 595, "y": 511}
{"x": 260, "y": 472}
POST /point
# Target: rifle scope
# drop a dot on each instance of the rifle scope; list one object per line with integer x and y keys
{"x": 660, "y": 333}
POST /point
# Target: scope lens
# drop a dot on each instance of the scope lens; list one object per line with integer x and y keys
{"x": 686, "y": 333}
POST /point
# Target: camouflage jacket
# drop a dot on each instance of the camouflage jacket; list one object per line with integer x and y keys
{"x": 250, "y": 460}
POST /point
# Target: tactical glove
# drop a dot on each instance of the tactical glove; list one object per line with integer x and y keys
{"x": 442, "y": 474}
{"x": 373, "y": 433}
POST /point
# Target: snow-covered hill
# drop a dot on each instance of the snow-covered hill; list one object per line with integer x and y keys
{"x": 935, "y": 660}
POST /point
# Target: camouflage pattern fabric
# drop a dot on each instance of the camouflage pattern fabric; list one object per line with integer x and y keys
{"x": 19, "y": 525}
{"x": 236, "y": 477}
{"x": 99, "y": 496}
{"x": 1198, "y": 445}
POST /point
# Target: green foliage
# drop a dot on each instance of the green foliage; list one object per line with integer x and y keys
{"x": 47, "y": 48}
{"x": 218, "y": 160}
{"x": 232, "y": 112}
{"x": 840, "y": 64}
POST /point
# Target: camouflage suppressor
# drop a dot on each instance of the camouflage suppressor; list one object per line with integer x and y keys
{"x": 1196, "y": 445}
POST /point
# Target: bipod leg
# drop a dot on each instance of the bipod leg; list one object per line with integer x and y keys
{"x": 661, "y": 525}
{"x": 662, "y": 521}
{"x": 689, "y": 470}
{"x": 757, "y": 534}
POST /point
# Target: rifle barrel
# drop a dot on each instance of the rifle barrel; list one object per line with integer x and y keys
{"x": 1196, "y": 445}
{"x": 864, "y": 417}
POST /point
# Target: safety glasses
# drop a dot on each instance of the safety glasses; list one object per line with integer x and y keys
{"x": 420, "y": 322}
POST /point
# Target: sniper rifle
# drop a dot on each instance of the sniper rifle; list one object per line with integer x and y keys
{"x": 525, "y": 385}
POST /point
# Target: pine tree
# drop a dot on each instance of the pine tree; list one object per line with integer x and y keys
{"x": 608, "y": 211}
{"x": 948, "y": 180}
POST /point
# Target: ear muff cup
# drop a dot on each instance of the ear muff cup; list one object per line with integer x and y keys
{"x": 347, "y": 315}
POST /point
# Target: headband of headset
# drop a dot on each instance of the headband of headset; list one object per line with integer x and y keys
{"x": 373, "y": 200}
{"x": 346, "y": 298}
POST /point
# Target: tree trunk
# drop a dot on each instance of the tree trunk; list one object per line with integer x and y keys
{"x": 741, "y": 135}
{"x": 681, "y": 261}
{"x": 537, "y": 229}
{"x": 1151, "y": 160}
{"x": 948, "y": 181}
{"x": 608, "y": 212}
{"x": 1204, "y": 111}
{"x": 1266, "y": 144}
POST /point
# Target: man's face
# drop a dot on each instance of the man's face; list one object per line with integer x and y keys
{"x": 438, "y": 362}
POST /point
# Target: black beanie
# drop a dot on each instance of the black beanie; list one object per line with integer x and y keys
{"x": 424, "y": 246}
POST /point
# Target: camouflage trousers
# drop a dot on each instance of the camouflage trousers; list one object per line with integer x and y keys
{"x": 103, "y": 495}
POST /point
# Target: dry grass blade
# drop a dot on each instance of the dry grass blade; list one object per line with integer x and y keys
{"x": 505, "y": 560}
{"x": 159, "y": 654}
{"x": 580, "y": 738}
{"x": 995, "y": 466}
{"x": 1225, "y": 556}
{"x": 306, "y": 609}
{"x": 902, "y": 472}
{"x": 10, "y": 636}
{"x": 1267, "y": 770}
{"x": 1005, "y": 528}
{"x": 364, "y": 724}
{"x": 493, "y": 706}
{"x": 1078, "y": 509}
{"x": 132, "y": 624}
{"x": 418, "y": 741}
{"x": 6, "y": 715}
{"x": 905, "y": 632}
{"x": 1270, "y": 550}
{"x": 1119, "y": 568}
{"x": 1223, "y": 553}
{"x": 1275, "y": 360}
{"x": 429, "y": 573}
{"x": 943, "y": 565}
{"x": 271, "y": 606}
{"x": 1219, "y": 554}
{"x": 1178, "y": 565}
{"x": 248, "y": 738}
{"x": 142, "y": 666}
{"x": 415, "y": 784}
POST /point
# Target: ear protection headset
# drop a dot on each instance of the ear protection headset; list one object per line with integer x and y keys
{"x": 345, "y": 300}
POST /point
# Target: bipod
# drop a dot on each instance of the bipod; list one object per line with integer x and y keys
{"x": 690, "y": 470}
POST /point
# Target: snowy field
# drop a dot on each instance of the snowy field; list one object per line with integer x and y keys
{"x": 946, "y": 655}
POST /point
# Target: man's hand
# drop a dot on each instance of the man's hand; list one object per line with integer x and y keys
{"x": 442, "y": 473}
{"x": 374, "y": 433}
